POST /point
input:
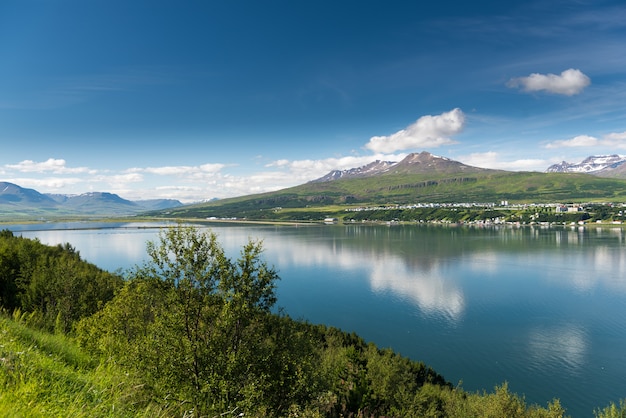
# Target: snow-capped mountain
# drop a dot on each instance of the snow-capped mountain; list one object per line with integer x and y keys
{"x": 423, "y": 162}
{"x": 594, "y": 164}
{"x": 370, "y": 169}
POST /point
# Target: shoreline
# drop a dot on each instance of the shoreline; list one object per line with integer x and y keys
{"x": 169, "y": 222}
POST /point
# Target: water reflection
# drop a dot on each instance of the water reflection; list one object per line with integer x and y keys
{"x": 431, "y": 292}
{"x": 110, "y": 248}
{"x": 563, "y": 347}
{"x": 411, "y": 262}
{"x": 422, "y": 284}
{"x": 547, "y": 302}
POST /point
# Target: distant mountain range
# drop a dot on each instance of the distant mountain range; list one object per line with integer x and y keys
{"x": 599, "y": 165}
{"x": 611, "y": 166}
{"x": 17, "y": 203}
{"x": 420, "y": 177}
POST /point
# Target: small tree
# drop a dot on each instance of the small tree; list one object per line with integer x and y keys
{"x": 203, "y": 340}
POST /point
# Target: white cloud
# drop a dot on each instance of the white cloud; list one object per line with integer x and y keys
{"x": 615, "y": 140}
{"x": 577, "y": 141}
{"x": 617, "y": 136}
{"x": 48, "y": 183}
{"x": 182, "y": 170}
{"x": 568, "y": 83}
{"x": 278, "y": 163}
{"x": 117, "y": 179}
{"x": 183, "y": 193}
{"x": 494, "y": 161}
{"x": 56, "y": 166}
{"x": 168, "y": 171}
{"x": 611, "y": 141}
{"x": 427, "y": 132}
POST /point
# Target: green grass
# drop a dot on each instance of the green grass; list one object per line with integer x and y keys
{"x": 46, "y": 375}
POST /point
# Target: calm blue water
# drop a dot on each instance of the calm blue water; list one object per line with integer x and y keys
{"x": 543, "y": 309}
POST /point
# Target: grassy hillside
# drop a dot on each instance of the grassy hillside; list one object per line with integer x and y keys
{"x": 488, "y": 186}
{"x": 47, "y": 375}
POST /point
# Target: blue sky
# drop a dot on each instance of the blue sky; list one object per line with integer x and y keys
{"x": 200, "y": 99}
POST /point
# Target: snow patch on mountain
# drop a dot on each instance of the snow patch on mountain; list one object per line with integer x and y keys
{"x": 370, "y": 169}
{"x": 592, "y": 164}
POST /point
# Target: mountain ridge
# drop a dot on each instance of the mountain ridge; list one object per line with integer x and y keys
{"x": 598, "y": 165}
{"x": 419, "y": 177}
{"x": 19, "y": 202}
{"x": 372, "y": 168}
{"x": 414, "y": 163}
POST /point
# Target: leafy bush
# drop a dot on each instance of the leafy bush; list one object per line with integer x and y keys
{"x": 51, "y": 283}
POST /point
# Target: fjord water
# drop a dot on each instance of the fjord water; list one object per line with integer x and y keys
{"x": 543, "y": 309}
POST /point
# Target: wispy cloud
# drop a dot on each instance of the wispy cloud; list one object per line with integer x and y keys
{"x": 182, "y": 170}
{"x": 426, "y": 132}
{"x": 57, "y": 166}
{"x": 617, "y": 138}
{"x": 568, "y": 83}
{"x": 495, "y": 161}
{"x": 577, "y": 141}
{"x": 47, "y": 184}
{"x": 119, "y": 179}
{"x": 611, "y": 140}
{"x": 55, "y": 93}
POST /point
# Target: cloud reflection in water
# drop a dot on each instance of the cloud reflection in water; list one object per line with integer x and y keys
{"x": 422, "y": 285}
{"x": 564, "y": 347}
{"x": 432, "y": 293}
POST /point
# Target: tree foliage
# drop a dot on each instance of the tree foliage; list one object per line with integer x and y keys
{"x": 51, "y": 283}
{"x": 194, "y": 322}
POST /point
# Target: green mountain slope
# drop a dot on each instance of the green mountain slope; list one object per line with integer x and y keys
{"x": 406, "y": 188}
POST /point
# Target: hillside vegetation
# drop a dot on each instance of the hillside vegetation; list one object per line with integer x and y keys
{"x": 335, "y": 196}
{"x": 194, "y": 333}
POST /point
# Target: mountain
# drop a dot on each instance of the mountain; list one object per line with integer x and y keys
{"x": 157, "y": 204}
{"x": 427, "y": 163}
{"x": 93, "y": 198}
{"x": 18, "y": 203}
{"x": 14, "y": 195}
{"x": 599, "y": 165}
{"x": 418, "y": 178}
{"x": 616, "y": 171}
{"x": 424, "y": 163}
{"x": 370, "y": 169}
{"x": 95, "y": 203}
